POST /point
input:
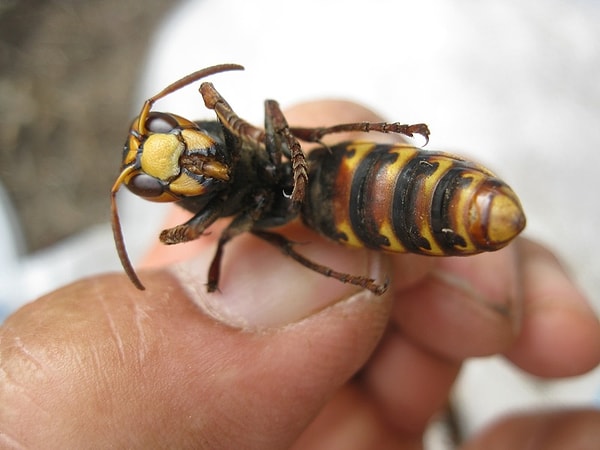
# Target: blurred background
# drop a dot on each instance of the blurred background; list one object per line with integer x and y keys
{"x": 68, "y": 71}
{"x": 511, "y": 83}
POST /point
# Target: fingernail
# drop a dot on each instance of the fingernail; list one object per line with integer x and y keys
{"x": 259, "y": 287}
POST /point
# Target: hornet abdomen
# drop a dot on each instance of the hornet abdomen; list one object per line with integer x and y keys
{"x": 399, "y": 198}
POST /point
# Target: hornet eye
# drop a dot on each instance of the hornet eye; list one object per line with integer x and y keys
{"x": 145, "y": 186}
{"x": 158, "y": 122}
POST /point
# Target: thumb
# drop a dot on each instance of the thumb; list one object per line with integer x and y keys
{"x": 100, "y": 362}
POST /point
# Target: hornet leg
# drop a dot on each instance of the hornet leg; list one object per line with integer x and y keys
{"x": 286, "y": 246}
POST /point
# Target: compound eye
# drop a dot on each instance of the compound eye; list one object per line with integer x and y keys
{"x": 145, "y": 186}
{"x": 158, "y": 122}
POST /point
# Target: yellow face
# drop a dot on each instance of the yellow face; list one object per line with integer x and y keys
{"x": 173, "y": 160}
{"x": 167, "y": 158}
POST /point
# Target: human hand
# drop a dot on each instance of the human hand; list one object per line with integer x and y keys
{"x": 283, "y": 356}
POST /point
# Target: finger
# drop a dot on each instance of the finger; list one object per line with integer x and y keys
{"x": 261, "y": 287}
{"x": 464, "y": 307}
{"x": 281, "y": 290}
{"x": 352, "y": 421}
{"x": 389, "y": 405}
{"x": 556, "y": 430}
{"x": 560, "y": 332}
{"x": 101, "y": 364}
{"x": 407, "y": 383}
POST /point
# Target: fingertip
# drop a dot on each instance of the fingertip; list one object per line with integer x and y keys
{"x": 560, "y": 331}
{"x": 462, "y": 307}
{"x": 408, "y": 383}
{"x": 549, "y": 430}
{"x": 328, "y": 112}
{"x": 260, "y": 287}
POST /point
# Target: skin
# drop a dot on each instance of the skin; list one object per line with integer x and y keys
{"x": 283, "y": 357}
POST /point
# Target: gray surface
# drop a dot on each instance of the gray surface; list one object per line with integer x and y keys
{"x": 68, "y": 72}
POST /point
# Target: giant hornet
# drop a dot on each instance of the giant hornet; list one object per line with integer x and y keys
{"x": 390, "y": 197}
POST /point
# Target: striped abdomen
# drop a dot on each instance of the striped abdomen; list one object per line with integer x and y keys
{"x": 402, "y": 199}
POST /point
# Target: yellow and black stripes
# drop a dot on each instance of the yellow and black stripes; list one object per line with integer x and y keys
{"x": 386, "y": 197}
{"x": 399, "y": 198}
